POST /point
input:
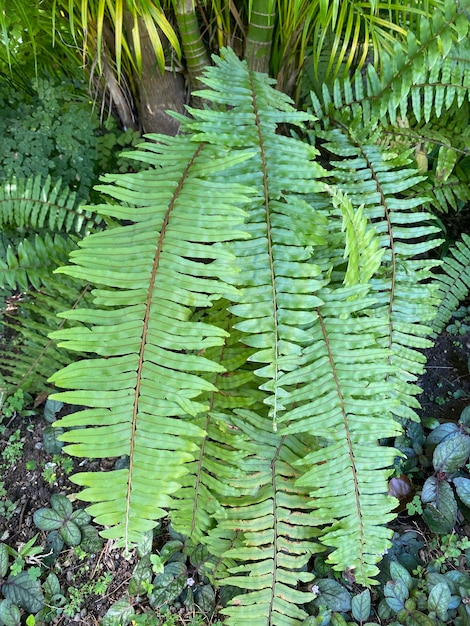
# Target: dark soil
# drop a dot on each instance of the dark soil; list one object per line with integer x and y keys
{"x": 29, "y": 491}
{"x": 446, "y": 384}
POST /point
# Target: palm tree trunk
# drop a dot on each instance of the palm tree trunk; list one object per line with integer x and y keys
{"x": 158, "y": 91}
{"x": 260, "y": 34}
{"x": 191, "y": 41}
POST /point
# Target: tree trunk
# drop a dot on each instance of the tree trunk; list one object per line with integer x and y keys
{"x": 157, "y": 92}
{"x": 191, "y": 42}
{"x": 260, "y": 35}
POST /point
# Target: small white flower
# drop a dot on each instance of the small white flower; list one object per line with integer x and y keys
{"x": 190, "y": 582}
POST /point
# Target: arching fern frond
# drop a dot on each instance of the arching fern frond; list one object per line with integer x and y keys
{"x": 30, "y": 212}
{"x": 34, "y": 204}
{"x": 268, "y": 529}
{"x": 33, "y": 357}
{"x": 281, "y": 300}
{"x": 454, "y": 282}
{"x": 197, "y": 509}
{"x": 145, "y": 391}
{"x": 254, "y": 421}
{"x": 383, "y": 182}
{"x": 31, "y": 263}
{"x": 424, "y": 79}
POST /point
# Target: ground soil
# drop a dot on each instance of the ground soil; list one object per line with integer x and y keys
{"x": 29, "y": 490}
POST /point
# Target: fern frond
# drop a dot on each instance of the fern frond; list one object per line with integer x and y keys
{"x": 406, "y": 295}
{"x": 143, "y": 395}
{"x": 36, "y": 204}
{"x": 361, "y": 245}
{"x": 32, "y": 357}
{"x": 350, "y": 392}
{"x": 268, "y": 530}
{"x": 280, "y": 308}
{"x": 197, "y": 508}
{"x": 31, "y": 263}
{"x": 454, "y": 282}
{"x": 274, "y": 275}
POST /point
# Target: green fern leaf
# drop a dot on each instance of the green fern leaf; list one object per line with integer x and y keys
{"x": 454, "y": 282}
{"x": 406, "y": 295}
{"x": 280, "y": 307}
{"x": 36, "y": 204}
{"x": 169, "y": 260}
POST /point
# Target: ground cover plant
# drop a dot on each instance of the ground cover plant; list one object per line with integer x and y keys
{"x": 257, "y": 308}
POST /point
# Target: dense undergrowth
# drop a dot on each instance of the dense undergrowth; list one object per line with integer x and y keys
{"x": 243, "y": 320}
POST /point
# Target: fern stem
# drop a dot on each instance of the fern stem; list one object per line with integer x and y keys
{"x": 264, "y": 170}
{"x": 146, "y": 320}
{"x": 347, "y": 435}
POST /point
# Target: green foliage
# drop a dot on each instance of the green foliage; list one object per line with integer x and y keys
{"x": 70, "y": 524}
{"x": 50, "y": 132}
{"x": 268, "y": 336}
{"x": 110, "y": 144}
{"x": 256, "y": 336}
{"x": 175, "y": 579}
{"x": 419, "y": 101}
{"x": 454, "y": 281}
{"x": 450, "y": 483}
{"x": 41, "y": 223}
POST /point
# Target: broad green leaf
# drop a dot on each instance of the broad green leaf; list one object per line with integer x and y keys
{"x": 50, "y": 440}
{"x": 90, "y": 541}
{"x": 48, "y": 519}
{"x": 204, "y": 598}
{"x": 70, "y": 533}
{"x": 332, "y": 595}
{"x": 451, "y": 454}
{"x": 62, "y": 505}
{"x": 396, "y": 594}
{"x": 80, "y": 517}
{"x": 119, "y": 613}
{"x": 440, "y": 512}
{"x": 4, "y": 558}
{"x": 141, "y": 575}
{"x": 360, "y": 606}
{"x": 398, "y": 572}
{"x": 168, "y": 586}
{"x": 10, "y": 614}
{"x": 51, "y": 585}
{"x": 24, "y": 591}
{"x": 462, "y": 485}
{"x": 439, "y": 599}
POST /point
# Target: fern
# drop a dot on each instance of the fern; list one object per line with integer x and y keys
{"x": 404, "y": 231}
{"x": 34, "y": 204}
{"x": 454, "y": 282}
{"x": 254, "y": 335}
{"x": 156, "y": 271}
{"x": 420, "y": 101}
{"x": 40, "y": 225}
